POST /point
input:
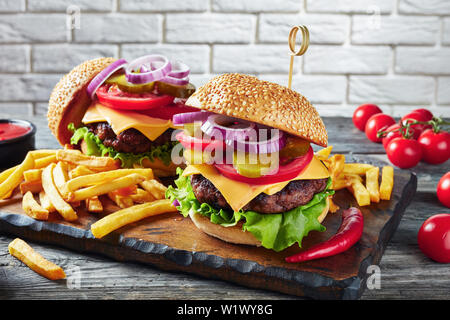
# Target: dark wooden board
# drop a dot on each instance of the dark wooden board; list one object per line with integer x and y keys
{"x": 172, "y": 243}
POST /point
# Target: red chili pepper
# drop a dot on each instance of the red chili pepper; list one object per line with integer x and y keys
{"x": 348, "y": 234}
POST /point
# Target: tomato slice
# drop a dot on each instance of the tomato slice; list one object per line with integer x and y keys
{"x": 195, "y": 143}
{"x": 167, "y": 112}
{"x": 284, "y": 173}
{"x": 113, "y": 97}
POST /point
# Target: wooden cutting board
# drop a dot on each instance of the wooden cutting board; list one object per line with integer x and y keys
{"x": 171, "y": 242}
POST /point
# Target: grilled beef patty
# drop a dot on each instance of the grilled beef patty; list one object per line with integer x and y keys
{"x": 130, "y": 140}
{"x": 295, "y": 194}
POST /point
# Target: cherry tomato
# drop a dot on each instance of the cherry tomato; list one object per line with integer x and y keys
{"x": 285, "y": 172}
{"x": 113, "y": 97}
{"x": 443, "y": 190}
{"x": 394, "y": 132}
{"x": 436, "y": 146}
{"x": 404, "y": 153}
{"x": 418, "y": 128}
{"x": 363, "y": 113}
{"x": 434, "y": 238}
{"x": 425, "y": 113}
{"x": 377, "y": 122}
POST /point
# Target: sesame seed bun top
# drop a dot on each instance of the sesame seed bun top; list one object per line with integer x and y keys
{"x": 69, "y": 101}
{"x": 248, "y": 98}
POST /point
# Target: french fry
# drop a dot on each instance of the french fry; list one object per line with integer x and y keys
{"x": 341, "y": 183}
{"x": 92, "y": 162}
{"x": 32, "y": 208}
{"x": 16, "y": 176}
{"x": 350, "y": 177}
{"x": 387, "y": 182}
{"x": 58, "y": 202}
{"x": 94, "y": 204}
{"x": 142, "y": 196}
{"x": 336, "y": 166}
{"x": 121, "y": 201}
{"x": 129, "y": 215}
{"x": 105, "y": 187}
{"x": 32, "y": 175}
{"x": 156, "y": 189}
{"x": 324, "y": 154}
{"x": 32, "y": 186}
{"x": 6, "y": 173}
{"x": 60, "y": 176}
{"x": 333, "y": 207}
{"x": 8, "y": 195}
{"x": 360, "y": 192}
{"x": 91, "y": 179}
{"x": 372, "y": 184}
{"x": 357, "y": 168}
{"x": 79, "y": 171}
{"x": 22, "y": 251}
{"x": 45, "y": 161}
{"x": 45, "y": 202}
{"x": 43, "y": 153}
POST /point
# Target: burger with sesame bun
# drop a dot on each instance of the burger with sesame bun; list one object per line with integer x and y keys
{"x": 109, "y": 107}
{"x": 252, "y": 177}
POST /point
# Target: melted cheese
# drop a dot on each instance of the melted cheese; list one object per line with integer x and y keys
{"x": 122, "y": 120}
{"x": 238, "y": 194}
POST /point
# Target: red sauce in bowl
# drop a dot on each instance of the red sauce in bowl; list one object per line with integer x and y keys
{"x": 10, "y": 130}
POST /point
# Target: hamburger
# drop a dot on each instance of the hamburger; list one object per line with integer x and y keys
{"x": 253, "y": 203}
{"x": 95, "y": 109}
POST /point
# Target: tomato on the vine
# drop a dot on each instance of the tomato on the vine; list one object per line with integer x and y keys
{"x": 391, "y": 133}
{"x": 419, "y": 127}
{"x": 434, "y": 238}
{"x": 379, "y": 121}
{"x": 363, "y": 113}
{"x": 404, "y": 153}
{"x": 426, "y": 114}
{"x": 435, "y": 145}
{"x": 443, "y": 190}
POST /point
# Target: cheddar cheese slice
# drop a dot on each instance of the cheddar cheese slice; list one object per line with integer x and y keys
{"x": 122, "y": 120}
{"x": 238, "y": 194}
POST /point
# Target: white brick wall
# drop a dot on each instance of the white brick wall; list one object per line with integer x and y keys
{"x": 395, "y": 53}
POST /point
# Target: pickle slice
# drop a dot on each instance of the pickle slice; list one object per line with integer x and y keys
{"x": 253, "y": 165}
{"x": 295, "y": 147}
{"x": 182, "y": 92}
{"x": 126, "y": 86}
{"x": 193, "y": 129}
{"x": 196, "y": 156}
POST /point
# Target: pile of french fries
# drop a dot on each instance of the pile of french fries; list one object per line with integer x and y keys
{"x": 64, "y": 179}
{"x": 361, "y": 179}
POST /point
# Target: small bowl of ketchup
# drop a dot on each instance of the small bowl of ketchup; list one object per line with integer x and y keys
{"x": 16, "y": 139}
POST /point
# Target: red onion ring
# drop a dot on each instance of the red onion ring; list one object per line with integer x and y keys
{"x": 145, "y": 63}
{"x": 179, "y": 70}
{"x": 275, "y": 144}
{"x": 189, "y": 117}
{"x": 241, "y": 131}
{"x": 176, "y": 81}
{"x": 103, "y": 75}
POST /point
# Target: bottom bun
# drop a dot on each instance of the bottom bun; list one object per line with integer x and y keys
{"x": 159, "y": 168}
{"x": 235, "y": 234}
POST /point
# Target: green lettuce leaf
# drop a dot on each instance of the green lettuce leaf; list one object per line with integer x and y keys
{"x": 95, "y": 147}
{"x": 275, "y": 231}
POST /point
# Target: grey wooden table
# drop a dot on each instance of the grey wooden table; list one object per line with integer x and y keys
{"x": 405, "y": 272}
